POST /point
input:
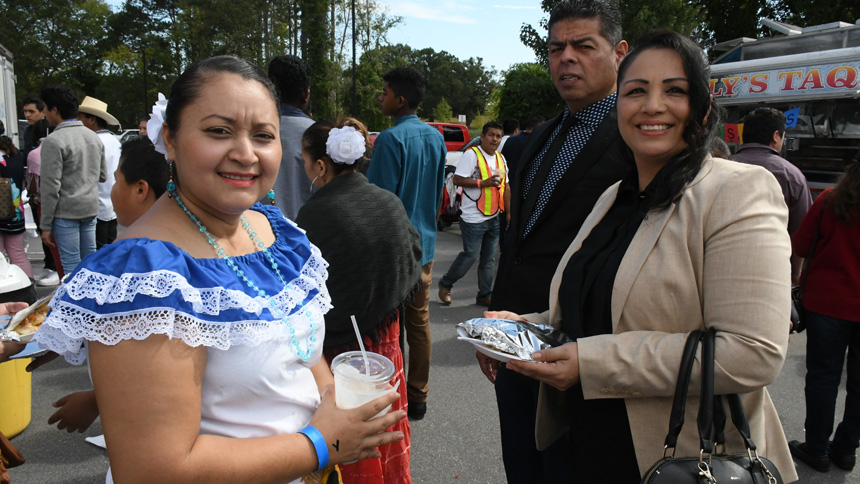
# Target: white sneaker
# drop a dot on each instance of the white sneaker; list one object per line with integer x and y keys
{"x": 43, "y": 273}
{"x": 51, "y": 280}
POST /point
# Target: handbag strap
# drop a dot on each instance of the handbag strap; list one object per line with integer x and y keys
{"x": 706, "y": 397}
{"x": 712, "y": 415}
{"x": 736, "y": 407}
{"x": 719, "y": 422}
{"x": 679, "y": 404}
{"x": 739, "y": 418}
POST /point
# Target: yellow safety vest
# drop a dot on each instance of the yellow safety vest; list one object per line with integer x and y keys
{"x": 492, "y": 199}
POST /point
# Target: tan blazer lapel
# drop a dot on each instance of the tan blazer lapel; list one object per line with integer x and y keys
{"x": 603, "y": 204}
{"x": 641, "y": 245}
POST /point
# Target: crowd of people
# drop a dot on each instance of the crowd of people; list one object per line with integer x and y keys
{"x": 256, "y": 238}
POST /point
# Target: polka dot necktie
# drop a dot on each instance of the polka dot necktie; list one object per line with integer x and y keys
{"x": 560, "y": 162}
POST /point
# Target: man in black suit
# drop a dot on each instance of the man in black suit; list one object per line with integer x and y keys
{"x": 567, "y": 164}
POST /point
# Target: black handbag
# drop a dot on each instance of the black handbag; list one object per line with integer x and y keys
{"x": 799, "y": 324}
{"x": 709, "y": 467}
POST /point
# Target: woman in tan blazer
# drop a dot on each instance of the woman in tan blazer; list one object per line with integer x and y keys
{"x": 684, "y": 242}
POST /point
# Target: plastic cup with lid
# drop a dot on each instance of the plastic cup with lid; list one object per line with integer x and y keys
{"x": 356, "y": 383}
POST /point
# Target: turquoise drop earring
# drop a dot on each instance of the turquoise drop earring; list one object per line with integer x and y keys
{"x": 171, "y": 186}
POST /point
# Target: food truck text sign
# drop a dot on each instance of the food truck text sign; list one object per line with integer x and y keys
{"x": 830, "y": 78}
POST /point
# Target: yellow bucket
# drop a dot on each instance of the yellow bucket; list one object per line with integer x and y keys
{"x": 15, "y": 397}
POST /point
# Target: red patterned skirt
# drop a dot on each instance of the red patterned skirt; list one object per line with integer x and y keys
{"x": 393, "y": 466}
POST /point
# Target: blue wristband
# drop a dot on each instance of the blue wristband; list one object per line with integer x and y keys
{"x": 321, "y": 447}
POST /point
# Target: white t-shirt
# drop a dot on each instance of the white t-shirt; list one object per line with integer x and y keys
{"x": 112, "y": 152}
{"x": 468, "y": 168}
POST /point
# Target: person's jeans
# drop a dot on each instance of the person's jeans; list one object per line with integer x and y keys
{"x": 75, "y": 240}
{"x": 827, "y": 340}
{"x": 479, "y": 239}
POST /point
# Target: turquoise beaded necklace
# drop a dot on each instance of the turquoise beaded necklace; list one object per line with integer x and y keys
{"x": 304, "y": 354}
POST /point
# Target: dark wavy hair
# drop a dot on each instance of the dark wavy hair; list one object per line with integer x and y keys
{"x": 292, "y": 76}
{"x": 187, "y": 87}
{"x": 315, "y": 137}
{"x": 705, "y": 114}
{"x": 844, "y": 200}
{"x": 8, "y": 146}
{"x": 63, "y": 98}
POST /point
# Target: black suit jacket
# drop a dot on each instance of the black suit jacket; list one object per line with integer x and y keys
{"x": 528, "y": 263}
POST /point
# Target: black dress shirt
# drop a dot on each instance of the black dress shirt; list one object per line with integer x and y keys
{"x": 600, "y": 440}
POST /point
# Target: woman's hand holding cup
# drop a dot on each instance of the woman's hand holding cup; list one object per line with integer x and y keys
{"x": 355, "y": 434}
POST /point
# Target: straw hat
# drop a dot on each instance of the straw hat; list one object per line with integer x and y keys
{"x": 94, "y": 107}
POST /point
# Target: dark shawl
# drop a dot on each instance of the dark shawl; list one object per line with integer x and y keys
{"x": 374, "y": 253}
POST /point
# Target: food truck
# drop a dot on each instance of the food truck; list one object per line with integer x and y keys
{"x": 812, "y": 74}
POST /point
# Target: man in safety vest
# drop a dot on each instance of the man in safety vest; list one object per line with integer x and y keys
{"x": 483, "y": 174}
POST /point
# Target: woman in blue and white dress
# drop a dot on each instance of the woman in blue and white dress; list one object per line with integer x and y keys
{"x": 203, "y": 325}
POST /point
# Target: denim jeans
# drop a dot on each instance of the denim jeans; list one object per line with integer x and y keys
{"x": 827, "y": 340}
{"x": 75, "y": 240}
{"x": 479, "y": 239}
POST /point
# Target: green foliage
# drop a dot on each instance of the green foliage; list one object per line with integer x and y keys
{"x": 528, "y": 89}
{"x": 442, "y": 112}
{"x": 640, "y": 16}
{"x": 535, "y": 40}
{"x": 316, "y": 45}
{"x": 477, "y": 124}
{"x": 55, "y": 41}
{"x": 804, "y": 12}
{"x": 139, "y": 62}
{"x": 373, "y": 24}
{"x": 126, "y": 57}
{"x": 726, "y": 20}
{"x": 464, "y": 85}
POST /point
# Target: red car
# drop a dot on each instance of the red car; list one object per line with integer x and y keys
{"x": 456, "y": 135}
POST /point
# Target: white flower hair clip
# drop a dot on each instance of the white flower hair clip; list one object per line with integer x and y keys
{"x": 345, "y": 145}
{"x": 156, "y": 121}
